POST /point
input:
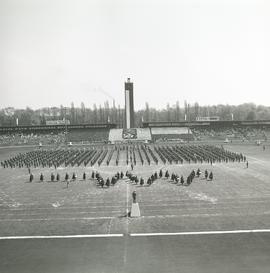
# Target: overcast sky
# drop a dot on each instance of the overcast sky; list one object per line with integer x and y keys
{"x": 54, "y": 52}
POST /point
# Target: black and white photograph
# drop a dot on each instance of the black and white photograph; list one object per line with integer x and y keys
{"x": 134, "y": 136}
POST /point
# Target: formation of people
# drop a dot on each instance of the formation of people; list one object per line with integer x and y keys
{"x": 131, "y": 154}
{"x": 179, "y": 179}
{"x": 208, "y": 175}
{"x": 111, "y": 181}
{"x": 72, "y": 178}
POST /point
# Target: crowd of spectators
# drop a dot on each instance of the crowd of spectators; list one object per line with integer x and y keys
{"x": 102, "y": 135}
{"x": 164, "y": 137}
{"x": 239, "y": 133}
{"x": 31, "y": 139}
{"x": 89, "y": 136}
{"x": 76, "y": 136}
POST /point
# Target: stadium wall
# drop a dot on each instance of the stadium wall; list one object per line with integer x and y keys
{"x": 227, "y": 123}
{"x": 47, "y": 129}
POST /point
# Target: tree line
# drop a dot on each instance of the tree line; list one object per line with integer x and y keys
{"x": 112, "y": 114}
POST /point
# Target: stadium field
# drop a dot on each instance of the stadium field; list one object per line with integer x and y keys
{"x": 238, "y": 199}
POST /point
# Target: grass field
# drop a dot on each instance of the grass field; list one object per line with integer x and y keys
{"x": 237, "y": 199}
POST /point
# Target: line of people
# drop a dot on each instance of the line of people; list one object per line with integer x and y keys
{"x": 180, "y": 179}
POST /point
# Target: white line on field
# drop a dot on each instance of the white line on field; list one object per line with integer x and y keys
{"x": 62, "y": 213}
{"x": 60, "y": 236}
{"x": 57, "y": 219}
{"x": 136, "y": 234}
{"x": 202, "y": 232}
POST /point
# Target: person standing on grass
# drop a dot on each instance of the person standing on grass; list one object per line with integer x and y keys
{"x": 102, "y": 182}
{"x": 52, "y": 177}
{"x": 211, "y": 176}
{"x": 247, "y": 164}
{"x": 31, "y": 177}
{"x": 84, "y": 176}
{"x": 66, "y": 177}
{"x": 182, "y": 180}
{"x": 41, "y": 178}
{"x": 108, "y": 182}
{"x": 188, "y": 180}
{"x": 57, "y": 177}
{"x": 206, "y": 174}
{"x": 73, "y": 176}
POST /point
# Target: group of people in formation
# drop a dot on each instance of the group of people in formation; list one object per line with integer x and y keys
{"x": 106, "y": 182}
{"x": 56, "y": 177}
{"x": 95, "y": 175}
{"x": 134, "y": 153}
{"x": 180, "y": 179}
{"x": 133, "y": 178}
{"x": 208, "y": 175}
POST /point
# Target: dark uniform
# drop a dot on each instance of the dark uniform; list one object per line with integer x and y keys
{"x": 134, "y": 195}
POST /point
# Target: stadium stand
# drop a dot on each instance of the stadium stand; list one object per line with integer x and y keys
{"x": 236, "y": 133}
{"x": 31, "y": 139}
{"x": 171, "y": 133}
{"x": 54, "y": 134}
{"x": 88, "y": 135}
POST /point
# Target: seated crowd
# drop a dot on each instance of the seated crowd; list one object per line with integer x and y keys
{"x": 236, "y": 133}
{"x": 31, "y": 139}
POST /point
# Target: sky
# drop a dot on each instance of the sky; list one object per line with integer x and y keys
{"x": 55, "y": 52}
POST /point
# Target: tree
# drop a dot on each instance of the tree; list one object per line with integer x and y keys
{"x": 177, "y": 111}
{"x": 251, "y": 115}
{"x": 72, "y": 112}
{"x": 147, "y": 114}
{"x": 196, "y": 110}
{"x": 82, "y": 112}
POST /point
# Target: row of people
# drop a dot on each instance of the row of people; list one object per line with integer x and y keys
{"x": 133, "y": 178}
{"x": 158, "y": 154}
{"x": 180, "y": 179}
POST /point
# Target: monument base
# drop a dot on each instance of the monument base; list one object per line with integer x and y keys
{"x": 135, "y": 210}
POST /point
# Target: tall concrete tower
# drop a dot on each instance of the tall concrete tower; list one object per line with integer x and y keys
{"x": 129, "y": 105}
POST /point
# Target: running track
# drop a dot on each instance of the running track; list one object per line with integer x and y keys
{"x": 206, "y": 253}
